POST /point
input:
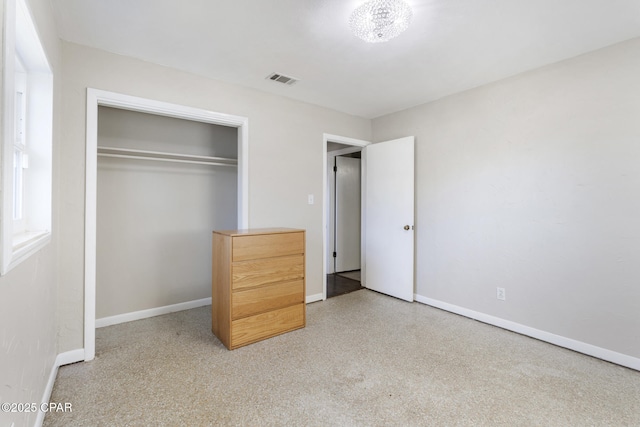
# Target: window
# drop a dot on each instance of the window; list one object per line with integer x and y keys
{"x": 20, "y": 155}
{"x": 27, "y": 91}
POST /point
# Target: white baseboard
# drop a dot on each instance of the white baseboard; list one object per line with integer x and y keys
{"x": 69, "y": 357}
{"x": 62, "y": 359}
{"x": 571, "y": 344}
{"x": 313, "y": 298}
{"x": 46, "y": 396}
{"x": 151, "y": 312}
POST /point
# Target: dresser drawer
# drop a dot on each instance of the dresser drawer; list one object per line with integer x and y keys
{"x": 267, "y": 245}
{"x": 265, "y": 298}
{"x": 247, "y": 274}
{"x": 265, "y": 325}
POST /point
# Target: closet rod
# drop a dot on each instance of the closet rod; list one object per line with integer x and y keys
{"x": 128, "y": 153}
{"x": 164, "y": 159}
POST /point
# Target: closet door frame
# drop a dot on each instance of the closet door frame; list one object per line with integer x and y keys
{"x": 96, "y": 98}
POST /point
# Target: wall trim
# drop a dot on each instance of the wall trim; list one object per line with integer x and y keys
{"x": 560, "y": 341}
{"x": 314, "y": 298}
{"x": 151, "y": 312}
{"x": 46, "y": 396}
{"x": 69, "y": 357}
{"x": 65, "y": 358}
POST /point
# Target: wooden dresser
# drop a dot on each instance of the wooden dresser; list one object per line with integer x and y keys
{"x": 258, "y": 284}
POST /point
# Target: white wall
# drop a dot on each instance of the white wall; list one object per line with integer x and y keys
{"x": 28, "y": 292}
{"x": 285, "y": 157}
{"x": 532, "y": 184}
{"x": 155, "y": 218}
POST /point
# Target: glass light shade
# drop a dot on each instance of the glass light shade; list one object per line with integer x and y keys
{"x": 378, "y": 21}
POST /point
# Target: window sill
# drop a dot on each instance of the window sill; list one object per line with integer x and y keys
{"x": 26, "y": 244}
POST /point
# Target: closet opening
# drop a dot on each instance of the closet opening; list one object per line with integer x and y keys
{"x": 151, "y": 160}
{"x": 163, "y": 184}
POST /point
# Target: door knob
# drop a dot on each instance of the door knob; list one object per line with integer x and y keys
{"x": 406, "y": 227}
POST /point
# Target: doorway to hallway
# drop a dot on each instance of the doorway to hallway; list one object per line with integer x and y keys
{"x": 344, "y": 213}
{"x": 387, "y": 210}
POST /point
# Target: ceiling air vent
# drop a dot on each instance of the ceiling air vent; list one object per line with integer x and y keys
{"x": 281, "y": 78}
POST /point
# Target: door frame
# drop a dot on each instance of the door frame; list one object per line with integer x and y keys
{"x": 96, "y": 98}
{"x": 325, "y": 206}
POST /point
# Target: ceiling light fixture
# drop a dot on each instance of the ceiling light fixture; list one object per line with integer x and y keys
{"x": 378, "y": 21}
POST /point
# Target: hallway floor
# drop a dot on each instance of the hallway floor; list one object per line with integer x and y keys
{"x": 337, "y": 284}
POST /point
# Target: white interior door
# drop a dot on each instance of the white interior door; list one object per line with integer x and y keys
{"x": 388, "y": 170}
{"x": 347, "y": 239}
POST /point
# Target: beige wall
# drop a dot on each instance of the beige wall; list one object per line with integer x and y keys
{"x": 285, "y": 157}
{"x": 154, "y": 219}
{"x": 28, "y": 292}
{"x": 532, "y": 184}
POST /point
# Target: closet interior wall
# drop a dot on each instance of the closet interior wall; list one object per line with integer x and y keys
{"x": 155, "y": 218}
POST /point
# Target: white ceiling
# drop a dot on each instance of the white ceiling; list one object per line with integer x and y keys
{"x": 451, "y": 45}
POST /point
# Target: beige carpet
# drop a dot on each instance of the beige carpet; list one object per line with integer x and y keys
{"x": 364, "y": 360}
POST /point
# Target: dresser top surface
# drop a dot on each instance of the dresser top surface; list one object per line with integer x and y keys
{"x": 257, "y": 231}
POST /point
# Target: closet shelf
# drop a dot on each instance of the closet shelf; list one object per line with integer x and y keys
{"x": 128, "y": 153}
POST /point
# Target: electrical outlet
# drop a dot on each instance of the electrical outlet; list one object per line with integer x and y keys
{"x": 501, "y": 294}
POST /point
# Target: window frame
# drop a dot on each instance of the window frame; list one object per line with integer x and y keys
{"x": 19, "y": 239}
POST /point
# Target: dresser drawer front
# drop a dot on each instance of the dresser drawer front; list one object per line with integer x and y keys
{"x": 267, "y": 245}
{"x": 265, "y": 325}
{"x": 265, "y": 298}
{"x": 247, "y": 274}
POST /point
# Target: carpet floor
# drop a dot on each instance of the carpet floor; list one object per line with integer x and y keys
{"x": 364, "y": 359}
